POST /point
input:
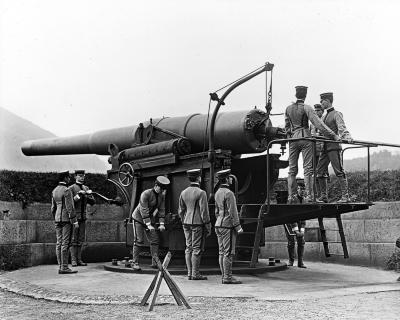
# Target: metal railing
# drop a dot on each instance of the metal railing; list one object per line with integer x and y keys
{"x": 314, "y": 140}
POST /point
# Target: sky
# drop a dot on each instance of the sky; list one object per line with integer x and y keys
{"x": 74, "y": 67}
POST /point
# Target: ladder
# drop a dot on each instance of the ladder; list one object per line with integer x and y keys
{"x": 325, "y": 241}
{"x": 250, "y": 214}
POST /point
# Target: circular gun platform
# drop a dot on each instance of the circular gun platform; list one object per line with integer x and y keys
{"x": 238, "y": 268}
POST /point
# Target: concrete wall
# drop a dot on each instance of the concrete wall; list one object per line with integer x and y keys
{"x": 370, "y": 236}
{"x": 30, "y": 233}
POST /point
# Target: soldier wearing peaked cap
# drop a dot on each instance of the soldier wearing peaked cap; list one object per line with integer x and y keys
{"x": 149, "y": 218}
{"x": 297, "y": 116}
{"x": 82, "y": 196}
{"x": 331, "y": 152}
{"x": 227, "y": 226}
{"x": 62, "y": 208}
{"x": 193, "y": 211}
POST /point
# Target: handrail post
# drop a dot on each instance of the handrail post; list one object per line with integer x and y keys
{"x": 368, "y": 175}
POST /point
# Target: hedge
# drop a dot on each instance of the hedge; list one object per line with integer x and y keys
{"x": 29, "y": 187}
{"x": 384, "y": 186}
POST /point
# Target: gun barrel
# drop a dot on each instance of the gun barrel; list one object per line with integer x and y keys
{"x": 238, "y": 131}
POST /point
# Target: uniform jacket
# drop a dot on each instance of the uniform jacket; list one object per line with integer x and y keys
{"x": 81, "y": 201}
{"x": 334, "y": 120}
{"x": 193, "y": 206}
{"x": 225, "y": 209}
{"x": 319, "y": 145}
{"x": 151, "y": 208}
{"x": 296, "y": 121}
{"x": 62, "y": 204}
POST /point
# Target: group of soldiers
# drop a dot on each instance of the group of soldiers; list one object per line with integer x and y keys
{"x": 149, "y": 219}
{"x": 68, "y": 206}
{"x": 329, "y": 126}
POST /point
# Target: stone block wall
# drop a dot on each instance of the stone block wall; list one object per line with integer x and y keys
{"x": 30, "y": 233}
{"x": 370, "y": 236}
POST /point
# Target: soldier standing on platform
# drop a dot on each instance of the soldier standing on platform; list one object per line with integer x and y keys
{"x": 149, "y": 216}
{"x": 227, "y": 226}
{"x": 298, "y": 229}
{"x": 331, "y": 152}
{"x": 82, "y": 196}
{"x": 319, "y": 144}
{"x": 62, "y": 208}
{"x": 296, "y": 125}
{"x": 193, "y": 211}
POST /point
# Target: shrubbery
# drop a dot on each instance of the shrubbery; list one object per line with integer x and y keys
{"x": 384, "y": 186}
{"x": 28, "y": 187}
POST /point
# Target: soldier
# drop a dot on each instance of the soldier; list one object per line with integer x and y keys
{"x": 82, "y": 197}
{"x": 227, "y": 226}
{"x": 193, "y": 211}
{"x": 298, "y": 229}
{"x": 296, "y": 125}
{"x": 148, "y": 216}
{"x": 331, "y": 152}
{"x": 319, "y": 144}
{"x": 62, "y": 208}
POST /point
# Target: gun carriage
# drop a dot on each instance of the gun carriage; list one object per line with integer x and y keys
{"x": 171, "y": 146}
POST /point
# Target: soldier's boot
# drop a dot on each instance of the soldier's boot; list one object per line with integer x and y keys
{"x": 135, "y": 258}
{"x": 58, "y": 255}
{"x": 188, "y": 259}
{"x": 291, "y": 256}
{"x": 309, "y": 183}
{"x": 292, "y": 190}
{"x": 64, "y": 264}
{"x": 344, "y": 188}
{"x": 300, "y": 254}
{"x": 74, "y": 253}
{"x": 154, "y": 256}
{"x": 79, "y": 257}
{"x": 228, "y": 279}
{"x": 221, "y": 265}
{"x": 196, "y": 258}
{"x": 323, "y": 185}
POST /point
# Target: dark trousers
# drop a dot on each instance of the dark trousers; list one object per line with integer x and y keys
{"x": 334, "y": 157}
{"x": 78, "y": 234}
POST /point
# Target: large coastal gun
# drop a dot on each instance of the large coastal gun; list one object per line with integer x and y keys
{"x": 171, "y": 146}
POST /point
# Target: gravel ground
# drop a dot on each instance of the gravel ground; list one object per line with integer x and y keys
{"x": 381, "y": 305}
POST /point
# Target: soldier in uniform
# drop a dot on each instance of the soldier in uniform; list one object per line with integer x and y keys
{"x": 296, "y": 230}
{"x": 296, "y": 125}
{"x": 331, "y": 152}
{"x": 193, "y": 211}
{"x": 62, "y": 208}
{"x": 319, "y": 144}
{"x": 227, "y": 226}
{"x": 149, "y": 217}
{"x": 82, "y": 197}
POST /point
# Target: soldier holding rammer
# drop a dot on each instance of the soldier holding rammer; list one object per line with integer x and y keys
{"x": 82, "y": 197}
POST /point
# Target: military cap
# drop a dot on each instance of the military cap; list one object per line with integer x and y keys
{"x": 194, "y": 173}
{"x": 317, "y": 106}
{"x": 162, "y": 181}
{"x": 327, "y": 96}
{"x": 223, "y": 174}
{"x": 62, "y": 175}
{"x": 79, "y": 171}
{"x": 301, "y": 92}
